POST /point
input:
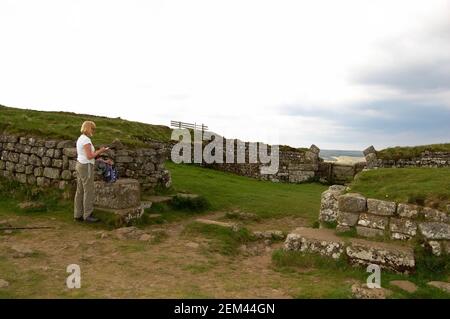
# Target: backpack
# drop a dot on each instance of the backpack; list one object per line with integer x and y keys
{"x": 108, "y": 172}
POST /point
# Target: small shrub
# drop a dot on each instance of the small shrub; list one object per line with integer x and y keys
{"x": 192, "y": 204}
{"x": 429, "y": 266}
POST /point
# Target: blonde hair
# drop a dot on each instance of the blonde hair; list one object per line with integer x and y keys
{"x": 87, "y": 126}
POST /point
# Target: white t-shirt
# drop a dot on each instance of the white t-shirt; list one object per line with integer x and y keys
{"x": 81, "y": 154}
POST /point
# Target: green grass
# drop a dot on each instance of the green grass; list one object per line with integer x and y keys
{"x": 336, "y": 276}
{"x": 65, "y": 125}
{"x": 226, "y": 191}
{"x": 424, "y": 186}
{"x": 222, "y": 240}
{"x": 409, "y": 152}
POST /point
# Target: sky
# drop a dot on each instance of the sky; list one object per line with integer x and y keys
{"x": 337, "y": 74}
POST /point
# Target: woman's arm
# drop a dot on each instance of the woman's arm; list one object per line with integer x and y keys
{"x": 91, "y": 155}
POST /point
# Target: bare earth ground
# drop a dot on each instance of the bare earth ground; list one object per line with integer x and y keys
{"x": 177, "y": 266}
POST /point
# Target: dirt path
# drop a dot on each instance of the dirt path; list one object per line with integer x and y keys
{"x": 34, "y": 263}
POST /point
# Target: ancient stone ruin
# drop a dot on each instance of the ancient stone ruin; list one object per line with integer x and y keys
{"x": 378, "y": 218}
{"x": 426, "y": 159}
{"x": 379, "y": 232}
{"x": 41, "y": 162}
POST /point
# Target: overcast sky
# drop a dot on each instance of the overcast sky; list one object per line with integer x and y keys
{"x": 339, "y": 74}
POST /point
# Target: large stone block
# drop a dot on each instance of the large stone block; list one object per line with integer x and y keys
{"x": 404, "y": 226}
{"x": 435, "y": 215}
{"x": 347, "y": 219}
{"x": 409, "y": 211}
{"x": 52, "y": 173}
{"x": 352, "y": 203}
{"x": 389, "y": 256}
{"x": 435, "y": 230}
{"x": 125, "y": 193}
{"x": 70, "y": 152}
{"x": 321, "y": 241}
{"x": 329, "y": 203}
{"x": 381, "y": 207}
{"x": 373, "y": 221}
{"x": 369, "y": 232}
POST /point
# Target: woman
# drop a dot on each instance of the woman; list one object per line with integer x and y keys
{"x": 86, "y": 154}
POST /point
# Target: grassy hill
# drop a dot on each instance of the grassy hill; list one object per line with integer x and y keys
{"x": 424, "y": 186}
{"x": 408, "y": 152}
{"x": 66, "y": 125}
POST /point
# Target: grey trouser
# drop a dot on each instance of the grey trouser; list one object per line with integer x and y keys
{"x": 84, "y": 197}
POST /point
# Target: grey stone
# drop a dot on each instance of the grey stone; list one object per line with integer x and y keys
{"x": 320, "y": 241}
{"x": 2, "y": 165}
{"x": 369, "y": 232}
{"x": 342, "y": 229}
{"x": 389, "y": 256}
{"x": 34, "y": 160}
{"x": 347, "y": 219}
{"x": 125, "y": 193}
{"x": 13, "y": 157}
{"x": 404, "y": 226}
{"x": 20, "y": 168}
{"x": 66, "y": 144}
{"x": 31, "y": 179}
{"x": 66, "y": 175}
{"x": 400, "y": 236}
{"x": 381, "y": 207}
{"x": 50, "y": 152}
{"x": 38, "y": 171}
{"x": 435, "y": 215}
{"x": 50, "y": 144}
{"x": 72, "y": 165}
{"x": 369, "y": 150}
{"x": 12, "y": 139}
{"x": 329, "y": 203}
{"x": 42, "y": 181}
{"x": 409, "y": 211}
{"x": 57, "y": 163}
{"x": 70, "y": 152}
{"x": 352, "y": 203}
{"x": 362, "y": 291}
{"x": 373, "y": 221}
{"x": 23, "y": 159}
{"x": 41, "y": 151}
{"x": 57, "y": 154}
{"x": 10, "y": 166}
{"x": 52, "y": 173}
{"x": 436, "y": 248}
{"x": 46, "y": 161}
{"x": 21, "y": 178}
{"x": 435, "y": 230}
{"x": 313, "y": 148}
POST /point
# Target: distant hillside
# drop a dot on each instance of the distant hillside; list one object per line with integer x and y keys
{"x": 409, "y": 152}
{"x": 66, "y": 125}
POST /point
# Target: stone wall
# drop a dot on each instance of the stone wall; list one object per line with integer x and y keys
{"x": 294, "y": 166}
{"x": 426, "y": 159}
{"x": 43, "y": 162}
{"x": 378, "y": 218}
{"x": 336, "y": 173}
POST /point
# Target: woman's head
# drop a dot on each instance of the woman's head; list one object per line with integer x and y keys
{"x": 88, "y": 128}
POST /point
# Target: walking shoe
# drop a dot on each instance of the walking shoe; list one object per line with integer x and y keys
{"x": 91, "y": 219}
{"x": 78, "y": 219}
